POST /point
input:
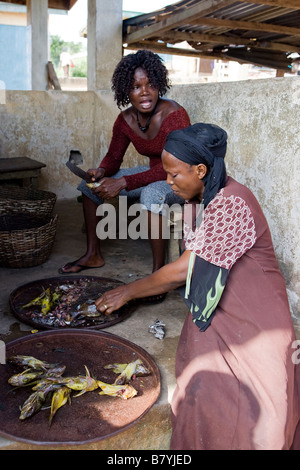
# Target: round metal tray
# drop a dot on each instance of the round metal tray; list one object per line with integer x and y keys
{"x": 90, "y": 417}
{"x": 25, "y": 293}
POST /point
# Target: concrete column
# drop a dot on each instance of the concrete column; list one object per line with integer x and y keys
{"x": 104, "y": 41}
{"x": 37, "y": 34}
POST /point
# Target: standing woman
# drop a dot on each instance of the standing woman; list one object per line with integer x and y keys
{"x": 237, "y": 381}
{"x": 139, "y": 80}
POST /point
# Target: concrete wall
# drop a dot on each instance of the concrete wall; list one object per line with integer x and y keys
{"x": 260, "y": 116}
{"x": 45, "y": 126}
{"x": 262, "y": 119}
{"x": 13, "y": 62}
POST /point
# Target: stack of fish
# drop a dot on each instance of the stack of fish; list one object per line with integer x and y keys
{"x": 60, "y": 306}
{"x": 47, "y": 378}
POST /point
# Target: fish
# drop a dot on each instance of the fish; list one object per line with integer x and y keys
{"x": 32, "y": 405}
{"x": 87, "y": 309}
{"x": 121, "y": 391}
{"x": 46, "y": 300}
{"x": 42, "y": 383}
{"x": 26, "y": 377}
{"x": 128, "y": 371}
{"x": 88, "y": 384}
{"x": 36, "y": 301}
{"x": 116, "y": 367}
{"x": 59, "y": 398}
{"x": 56, "y": 296}
{"x": 55, "y": 372}
{"x": 38, "y": 378}
{"x": 78, "y": 383}
{"x": 53, "y": 376}
{"x": 35, "y": 401}
{"x": 93, "y": 185}
{"x": 74, "y": 383}
{"x": 30, "y": 361}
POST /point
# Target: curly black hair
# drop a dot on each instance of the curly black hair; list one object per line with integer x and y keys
{"x": 123, "y": 76}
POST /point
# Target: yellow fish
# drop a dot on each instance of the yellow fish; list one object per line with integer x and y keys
{"x": 122, "y": 391}
{"x": 24, "y": 378}
{"x": 127, "y": 371}
{"x": 59, "y": 399}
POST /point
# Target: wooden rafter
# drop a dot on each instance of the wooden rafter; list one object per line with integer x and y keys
{"x": 278, "y": 3}
{"x": 164, "y": 49}
{"x": 245, "y": 57}
{"x": 205, "y": 8}
{"x": 263, "y": 32}
{"x": 248, "y": 25}
{"x": 178, "y": 36}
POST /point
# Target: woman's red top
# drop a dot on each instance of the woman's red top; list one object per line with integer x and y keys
{"x": 123, "y": 135}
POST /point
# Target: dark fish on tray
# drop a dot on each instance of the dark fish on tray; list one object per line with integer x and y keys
{"x": 68, "y": 304}
{"x": 78, "y": 383}
{"x": 30, "y": 361}
{"x": 32, "y": 377}
{"x": 88, "y": 309}
{"x": 35, "y": 401}
{"x": 55, "y": 372}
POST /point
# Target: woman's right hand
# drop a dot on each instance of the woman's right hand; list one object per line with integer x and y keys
{"x": 96, "y": 173}
{"x": 112, "y": 300}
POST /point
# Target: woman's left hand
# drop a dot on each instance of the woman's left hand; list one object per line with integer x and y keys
{"x": 112, "y": 300}
{"x": 110, "y": 187}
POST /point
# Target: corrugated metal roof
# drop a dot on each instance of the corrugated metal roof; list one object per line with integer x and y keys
{"x": 262, "y": 32}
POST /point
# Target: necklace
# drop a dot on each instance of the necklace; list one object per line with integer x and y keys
{"x": 144, "y": 129}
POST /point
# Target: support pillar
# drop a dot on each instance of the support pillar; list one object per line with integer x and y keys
{"x": 104, "y": 41}
{"x": 37, "y": 31}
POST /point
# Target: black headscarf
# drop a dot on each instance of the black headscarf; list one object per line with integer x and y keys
{"x": 202, "y": 143}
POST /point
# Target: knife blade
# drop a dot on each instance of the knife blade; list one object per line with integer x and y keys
{"x": 79, "y": 172}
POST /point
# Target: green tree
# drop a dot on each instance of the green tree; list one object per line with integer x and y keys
{"x": 57, "y": 46}
{"x": 80, "y": 68}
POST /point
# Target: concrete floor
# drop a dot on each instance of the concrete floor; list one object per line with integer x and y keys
{"x": 126, "y": 260}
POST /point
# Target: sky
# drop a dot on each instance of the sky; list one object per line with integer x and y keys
{"x": 69, "y": 26}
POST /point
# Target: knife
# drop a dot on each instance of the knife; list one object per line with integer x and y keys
{"x": 79, "y": 172}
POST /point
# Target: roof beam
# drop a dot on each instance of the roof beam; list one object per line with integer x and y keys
{"x": 242, "y": 58}
{"x": 205, "y": 8}
{"x": 178, "y": 36}
{"x": 248, "y": 25}
{"x": 164, "y": 49}
{"x": 278, "y": 3}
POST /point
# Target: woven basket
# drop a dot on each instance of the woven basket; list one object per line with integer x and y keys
{"x": 16, "y": 200}
{"x": 26, "y": 241}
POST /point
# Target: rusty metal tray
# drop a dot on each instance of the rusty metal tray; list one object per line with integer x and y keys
{"x": 90, "y": 417}
{"x": 25, "y": 293}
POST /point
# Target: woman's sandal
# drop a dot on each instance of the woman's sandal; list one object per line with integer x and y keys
{"x": 75, "y": 264}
